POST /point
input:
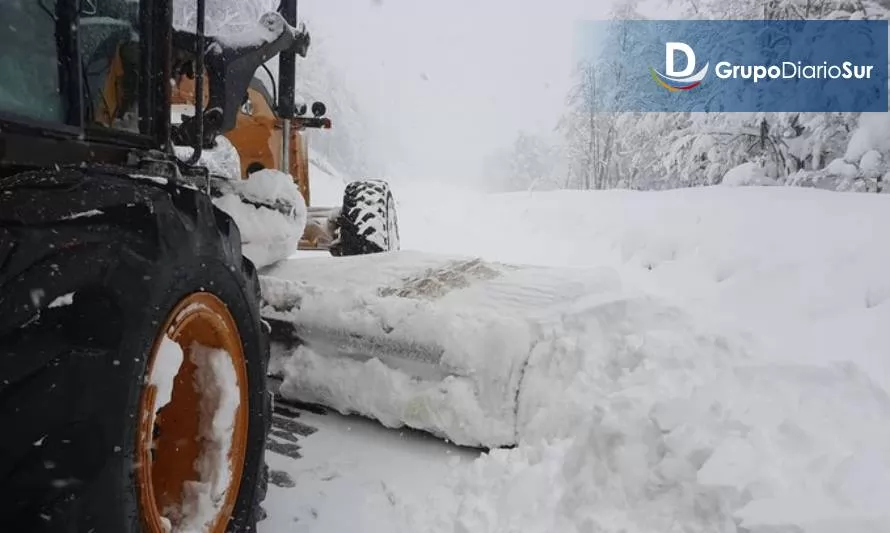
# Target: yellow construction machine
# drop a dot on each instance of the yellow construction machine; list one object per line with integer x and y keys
{"x": 270, "y": 133}
{"x": 133, "y": 359}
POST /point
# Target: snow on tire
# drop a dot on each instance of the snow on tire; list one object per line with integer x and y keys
{"x": 368, "y": 222}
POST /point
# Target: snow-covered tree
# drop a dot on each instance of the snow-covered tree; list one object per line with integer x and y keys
{"x": 664, "y": 150}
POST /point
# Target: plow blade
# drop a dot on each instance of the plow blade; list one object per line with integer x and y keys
{"x": 433, "y": 342}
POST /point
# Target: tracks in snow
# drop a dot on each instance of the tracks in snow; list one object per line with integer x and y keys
{"x": 287, "y": 430}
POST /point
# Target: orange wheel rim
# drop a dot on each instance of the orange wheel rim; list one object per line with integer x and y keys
{"x": 192, "y": 437}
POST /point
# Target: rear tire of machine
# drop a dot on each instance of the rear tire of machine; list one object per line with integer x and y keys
{"x": 72, "y": 372}
{"x": 368, "y": 223}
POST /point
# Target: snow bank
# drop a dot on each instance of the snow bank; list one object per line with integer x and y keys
{"x": 742, "y": 389}
{"x": 759, "y": 449}
{"x": 805, "y": 272}
{"x": 437, "y": 343}
{"x": 448, "y": 407}
{"x": 718, "y": 364}
{"x": 270, "y": 213}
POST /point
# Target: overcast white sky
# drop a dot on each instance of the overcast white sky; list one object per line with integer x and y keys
{"x": 446, "y": 82}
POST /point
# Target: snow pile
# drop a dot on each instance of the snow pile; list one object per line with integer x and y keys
{"x": 805, "y": 271}
{"x": 760, "y": 449}
{"x": 433, "y": 342}
{"x": 718, "y": 365}
{"x": 270, "y": 213}
{"x": 517, "y": 490}
{"x": 747, "y": 174}
{"x": 215, "y": 378}
{"x": 448, "y": 407}
{"x": 271, "y": 187}
{"x": 267, "y": 235}
{"x": 436, "y": 343}
{"x": 741, "y": 388}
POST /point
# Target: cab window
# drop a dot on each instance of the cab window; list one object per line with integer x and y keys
{"x": 30, "y": 86}
{"x": 109, "y": 53}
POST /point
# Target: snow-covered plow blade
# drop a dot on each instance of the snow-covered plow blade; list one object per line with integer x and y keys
{"x": 435, "y": 343}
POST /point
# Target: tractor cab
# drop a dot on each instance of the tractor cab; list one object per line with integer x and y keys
{"x": 85, "y": 72}
{"x": 93, "y": 78}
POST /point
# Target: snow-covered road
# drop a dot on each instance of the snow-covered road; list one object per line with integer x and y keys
{"x": 738, "y": 383}
{"x": 354, "y": 475}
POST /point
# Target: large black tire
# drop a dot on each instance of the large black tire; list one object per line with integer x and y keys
{"x": 368, "y": 223}
{"x": 71, "y": 375}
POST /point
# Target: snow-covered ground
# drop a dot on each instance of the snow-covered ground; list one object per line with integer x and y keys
{"x": 356, "y": 476}
{"x": 805, "y": 272}
{"x": 734, "y": 379}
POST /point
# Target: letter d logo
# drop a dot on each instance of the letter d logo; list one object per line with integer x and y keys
{"x": 670, "y": 52}
{"x": 679, "y": 80}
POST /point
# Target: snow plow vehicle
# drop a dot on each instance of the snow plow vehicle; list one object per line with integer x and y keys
{"x": 366, "y": 221}
{"x": 270, "y": 133}
{"x": 133, "y": 390}
{"x": 134, "y": 327}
